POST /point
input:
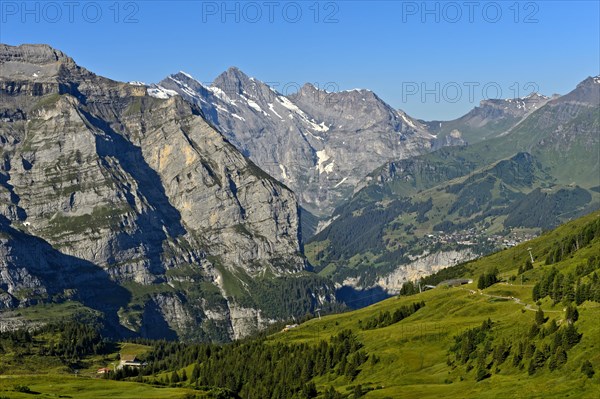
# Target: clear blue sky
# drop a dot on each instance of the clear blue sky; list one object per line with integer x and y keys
{"x": 394, "y": 48}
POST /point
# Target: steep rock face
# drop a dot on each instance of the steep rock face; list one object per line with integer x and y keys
{"x": 140, "y": 189}
{"x": 320, "y": 144}
{"x": 423, "y": 266}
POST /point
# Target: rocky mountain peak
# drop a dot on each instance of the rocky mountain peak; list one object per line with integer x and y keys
{"x": 586, "y": 93}
{"x": 130, "y": 181}
{"x": 590, "y": 81}
{"x": 516, "y": 106}
{"x": 36, "y": 62}
{"x": 233, "y": 81}
{"x": 318, "y": 143}
{"x": 39, "y": 54}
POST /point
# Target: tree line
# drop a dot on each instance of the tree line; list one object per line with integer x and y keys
{"x": 478, "y": 349}
{"x": 255, "y": 368}
{"x": 387, "y": 318}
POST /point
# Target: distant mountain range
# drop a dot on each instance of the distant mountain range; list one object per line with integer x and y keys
{"x": 319, "y": 144}
{"x": 182, "y": 210}
{"x": 491, "y": 117}
{"x": 540, "y": 169}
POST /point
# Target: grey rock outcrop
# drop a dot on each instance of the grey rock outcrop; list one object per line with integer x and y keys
{"x": 423, "y": 266}
{"x": 139, "y": 189}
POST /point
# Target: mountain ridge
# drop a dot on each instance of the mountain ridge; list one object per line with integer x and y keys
{"x": 561, "y": 136}
{"x": 318, "y": 143}
{"x": 140, "y": 186}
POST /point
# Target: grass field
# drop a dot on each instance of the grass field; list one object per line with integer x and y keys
{"x": 413, "y": 352}
{"x": 64, "y": 386}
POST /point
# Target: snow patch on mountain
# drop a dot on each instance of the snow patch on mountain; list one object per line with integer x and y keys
{"x": 220, "y": 94}
{"x": 341, "y": 182}
{"x": 254, "y": 105}
{"x": 272, "y": 109}
{"x": 161, "y": 92}
{"x": 187, "y": 75}
{"x": 283, "y": 172}
{"x": 322, "y": 162}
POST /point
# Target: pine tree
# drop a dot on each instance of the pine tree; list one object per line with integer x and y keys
{"x": 571, "y": 314}
{"x": 195, "y": 372}
{"x": 539, "y": 317}
{"x": 587, "y": 369}
{"x": 481, "y": 282}
{"x": 580, "y": 293}
{"x": 552, "y": 327}
{"x": 331, "y": 393}
{"x": 537, "y": 361}
{"x": 561, "y": 356}
{"x": 570, "y": 336}
{"x": 534, "y": 331}
{"x": 536, "y": 293}
{"x": 358, "y": 391}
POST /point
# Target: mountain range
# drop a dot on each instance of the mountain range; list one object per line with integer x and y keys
{"x": 136, "y": 207}
{"x": 320, "y": 144}
{"x": 472, "y": 199}
{"x": 208, "y": 212}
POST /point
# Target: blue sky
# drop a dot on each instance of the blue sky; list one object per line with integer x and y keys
{"x": 423, "y": 57}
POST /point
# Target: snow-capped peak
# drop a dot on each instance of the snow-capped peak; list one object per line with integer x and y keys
{"x": 357, "y": 90}
{"x": 535, "y": 95}
{"x": 187, "y": 75}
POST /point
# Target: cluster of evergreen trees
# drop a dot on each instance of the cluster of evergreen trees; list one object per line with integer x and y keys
{"x": 528, "y": 266}
{"x": 76, "y": 340}
{"x": 487, "y": 279}
{"x": 579, "y": 286}
{"x": 466, "y": 348}
{"x": 538, "y": 352}
{"x": 281, "y": 298}
{"x": 11, "y": 341}
{"x": 476, "y": 348}
{"x": 574, "y": 242}
{"x": 70, "y": 341}
{"x": 386, "y": 318}
{"x": 256, "y": 368}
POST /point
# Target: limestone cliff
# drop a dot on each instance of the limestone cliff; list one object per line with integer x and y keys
{"x": 141, "y": 192}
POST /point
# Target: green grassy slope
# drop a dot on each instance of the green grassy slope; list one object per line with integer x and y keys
{"x": 47, "y": 376}
{"x": 414, "y": 352}
{"x": 62, "y": 386}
